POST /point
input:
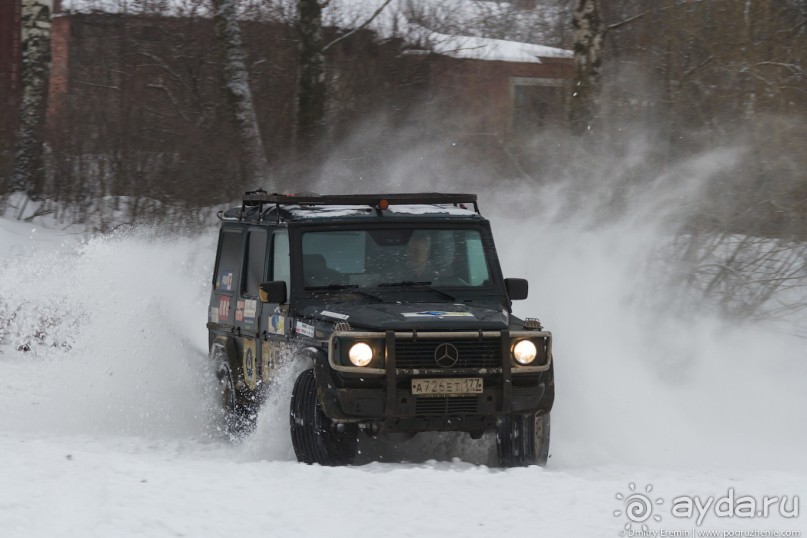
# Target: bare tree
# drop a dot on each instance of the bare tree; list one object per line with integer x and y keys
{"x": 589, "y": 37}
{"x": 28, "y": 171}
{"x": 311, "y": 83}
{"x": 255, "y": 168}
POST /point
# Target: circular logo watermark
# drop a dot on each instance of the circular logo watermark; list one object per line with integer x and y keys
{"x": 637, "y": 506}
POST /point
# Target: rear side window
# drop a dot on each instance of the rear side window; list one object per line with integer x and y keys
{"x": 229, "y": 262}
{"x": 280, "y": 257}
{"x": 256, "y": 256}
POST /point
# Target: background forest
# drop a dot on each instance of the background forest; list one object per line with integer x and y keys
{"x": 196, "y": 101}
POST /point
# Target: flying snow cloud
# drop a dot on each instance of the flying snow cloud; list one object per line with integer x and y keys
{"x": 109, "y": 334}
{"x": 116, "y": 339}
{"x": 646, "y": 371}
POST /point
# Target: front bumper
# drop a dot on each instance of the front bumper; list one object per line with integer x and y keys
{"x": 356, "y": 394}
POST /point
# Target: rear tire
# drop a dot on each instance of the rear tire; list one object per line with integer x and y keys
{"x": 315, "y": 437}
{"x": 523, "y": 440}
{"x": 238, "y": 418}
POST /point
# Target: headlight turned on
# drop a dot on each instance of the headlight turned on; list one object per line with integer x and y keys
{"x": 361, "y": 354}
{"x": 524, "y": 352}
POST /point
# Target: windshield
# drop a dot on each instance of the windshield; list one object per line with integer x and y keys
{"x": 394, "y": 257}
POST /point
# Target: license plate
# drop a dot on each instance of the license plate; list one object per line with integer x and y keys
{"x": 447, "y": 386}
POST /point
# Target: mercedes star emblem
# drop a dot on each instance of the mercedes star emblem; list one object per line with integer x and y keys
{"x": 446, "y": 355}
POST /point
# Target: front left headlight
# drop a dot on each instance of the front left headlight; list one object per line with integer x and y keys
{"x": 360, "y": 354}
{"x": 524, "y": 352}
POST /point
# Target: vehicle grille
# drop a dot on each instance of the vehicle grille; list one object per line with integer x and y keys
{"x": 446, "y": 406}
{"x": 473, "y": 353}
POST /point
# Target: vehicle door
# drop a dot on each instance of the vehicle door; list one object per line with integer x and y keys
{"x": 247, "y": 312}
{"x": 274, "y": 317}
{"x": 226, "y": 281}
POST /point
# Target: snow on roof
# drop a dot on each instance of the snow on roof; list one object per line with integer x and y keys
{"x": 482, "y": 48}
{"x": 431, "y": 209}
{"x": 332, "y": 211}
{"x": 174, "y": 8}
{"x": 397, "y": 19}
{"x": 303, "y": 212}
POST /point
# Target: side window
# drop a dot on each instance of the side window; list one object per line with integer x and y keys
{"x": 229, "y": 262}
{"x": 255, "y": 261}
{"x": 280, "y": 257}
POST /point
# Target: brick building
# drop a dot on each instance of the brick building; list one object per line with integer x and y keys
{"x": 10, "y": 63}
{"x": 140, "y": 93}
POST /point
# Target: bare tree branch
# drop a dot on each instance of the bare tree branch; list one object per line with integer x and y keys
{"x": 160, "y": 62}
{"x": 627, "y": 21}
{"x": 358, "y": 28}
{"x": 793, "y": 68}
{"x": 702, "y": 64}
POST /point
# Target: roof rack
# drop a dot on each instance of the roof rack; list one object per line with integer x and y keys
{"x": 377, "y": 201}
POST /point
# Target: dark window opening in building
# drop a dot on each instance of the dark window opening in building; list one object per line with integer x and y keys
{"x": 537, "y": 104}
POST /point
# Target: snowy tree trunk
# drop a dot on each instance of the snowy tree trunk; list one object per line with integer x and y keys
{"x": 589, "y": 36}
{"x": 311, "y": 84}
{"x": 255, "y": 167}
{"x": 28, "y": 171}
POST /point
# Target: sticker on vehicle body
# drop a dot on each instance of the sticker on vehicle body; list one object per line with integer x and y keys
{"x": 224, "y": 308}
{"x": 225, "y": 281}
{"x": 335, "y": 315}
{"x": 304, "y": 329}
{"x": 250, "y": 363}
{"x": 438, "y": 314}
{"x": 276, "y": 323}
{"x": 239, "y": 311}
{"x": 271, "y": 359}
{"x": 250, "y": 310}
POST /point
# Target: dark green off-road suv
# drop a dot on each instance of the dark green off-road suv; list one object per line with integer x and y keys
{"x": 395, "y": 304}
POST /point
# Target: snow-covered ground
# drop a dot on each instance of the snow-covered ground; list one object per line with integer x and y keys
{"x": 105, "y": 427}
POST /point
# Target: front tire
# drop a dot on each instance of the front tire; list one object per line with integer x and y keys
{"x": 523, "y": 440}
{"x": 315, "y": 437}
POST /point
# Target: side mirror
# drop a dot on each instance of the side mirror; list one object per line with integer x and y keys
{"x": 517, "y": 288}
{"x": 273, "y": 292}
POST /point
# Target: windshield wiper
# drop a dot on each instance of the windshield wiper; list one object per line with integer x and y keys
{"x": 332, "y": 287}
{"x": 403, "y": 284}
{"x": 349, "y": 288}
{"x": 420, "y": 285}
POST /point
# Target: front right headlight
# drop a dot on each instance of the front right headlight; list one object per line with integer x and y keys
{"x": 360, "y": 354}
{"x": 524, "y": 352}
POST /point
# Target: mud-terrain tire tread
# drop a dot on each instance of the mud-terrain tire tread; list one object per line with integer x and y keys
{"x": 312, "y": 436}
{"x": 517, "y": 443}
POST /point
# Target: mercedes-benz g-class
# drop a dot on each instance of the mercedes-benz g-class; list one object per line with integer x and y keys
{"x": 396, "y": 305}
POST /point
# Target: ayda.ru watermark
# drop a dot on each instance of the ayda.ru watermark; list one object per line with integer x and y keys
{"x": 731, "y": 505}
{"x": 641, "y": 508}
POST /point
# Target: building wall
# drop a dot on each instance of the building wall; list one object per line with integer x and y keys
{"x": 136, "y": 103}
{"x": 482, "y": 96}
{"x": 10, "y": 67}
{"x": 10, "y": 57}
